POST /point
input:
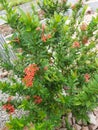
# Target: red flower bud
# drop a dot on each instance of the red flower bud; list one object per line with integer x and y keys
{"x": 76, "y": 44}
{"x": 83, "y": 27}
{"x": 37, "y": 100}
{"x": 87, "y": 77}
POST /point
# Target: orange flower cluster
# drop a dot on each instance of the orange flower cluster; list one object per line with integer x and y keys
{"x": 9, "y": 108}
{"x": 87, "y": 77}
{"x": 30, "y": 72}
{"x": 43, "y": 27}
{"x": 45, "y": 37}
{"x": 38, "y": 99}
{"x": 76, "y": 44}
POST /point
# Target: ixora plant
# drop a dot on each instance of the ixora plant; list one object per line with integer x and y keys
{"x": 53, "y": 57}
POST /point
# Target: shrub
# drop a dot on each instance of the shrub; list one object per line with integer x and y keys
{"x": 57, "y": 56}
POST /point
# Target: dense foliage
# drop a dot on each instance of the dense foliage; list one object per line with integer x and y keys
{"x": 57, "y": 64}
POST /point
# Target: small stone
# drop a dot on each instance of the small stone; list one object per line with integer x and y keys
{"x": 79, "y": 122}
{"x": 63, "y": 123}
{"x": 92, "y": 127}
{"x": 5, "y": 128}
{"x": 85, "y": 128}
{"x": 73, "y": 120}
{"x": 4, "y": 74}
{"x": 77, "y": 127}
{"x": 84, "y": 123}
{"x": 70, "y": 118}
{"x": 92, "y": 118}
{"x": 97, "y": 121}
{"x": 96, "y": 112}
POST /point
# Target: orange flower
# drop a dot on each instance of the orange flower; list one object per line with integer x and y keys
{"x": 30, "y": 72}
{"x": 9, "y": 108}
{"x": 28, "y": 80}
{"x": 37, "y": 100}
{"x": 87, "y": 77}
{"x": 31, "y": 69}
{"x": 48, "y": 36}
{"x": 76, "y": 44}
{"x": 83, "y": 27}
{"x": 43, "y": 26}
{"x": 44, "y": 38}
